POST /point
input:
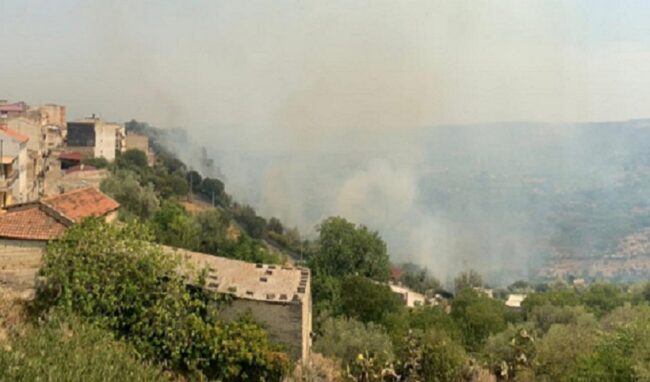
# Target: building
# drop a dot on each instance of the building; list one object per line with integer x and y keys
{"x": 13, "y": 176}
{"x": 94, "y": 138}
{"x": 409, "y": 297}
{"x": 26, "y": 228}
{"x": 514, "y": 300}
{"x": 139, "y": 142}
{"x": 278, "y": 297}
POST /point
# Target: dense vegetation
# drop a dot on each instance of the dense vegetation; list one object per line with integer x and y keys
{"x": 114, "y": 277}
{"x": 117, "y": 309}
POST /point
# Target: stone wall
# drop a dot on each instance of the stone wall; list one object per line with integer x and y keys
{"x": 283, "y": 321}
{"x": 19, "y": 262}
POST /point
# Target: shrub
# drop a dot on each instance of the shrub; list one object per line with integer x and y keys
{"x": 113, "y": 277}
{"x": 67, "y": 349}
{"x": 135, "y": 200}
{"x": 345, "y": 339}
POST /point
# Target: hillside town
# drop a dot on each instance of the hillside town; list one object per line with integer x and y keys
{"x": 85, "y": 200}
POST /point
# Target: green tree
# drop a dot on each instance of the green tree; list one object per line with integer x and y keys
{"x": 418, "y": 279}
{"x": 112, "y": 276}
{"x": 213, "y": 228}
{"x": 345, "y": 339}
{"x": 561, "y": 350}
{"x": 478, "y": 316}
{"x": 99, "y": 162}
{"x": 602, "y": 298}
{"x": 135, "y": 200}
{"x": 347, "y": 249}
{"x": 469, "y": 279}
{"x": 132, "y": 159}
{"x": 366, "y": 300}
{"x": 173, "y": 226}
{"x": 443, "y": 359}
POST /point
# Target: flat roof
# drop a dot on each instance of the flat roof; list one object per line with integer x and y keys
{"x": 260, "y": 282}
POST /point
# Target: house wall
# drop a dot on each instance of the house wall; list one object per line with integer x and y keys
{"x": 30, "y": 128}
{"x": 20, "y": 261}
{"x": 105, "y": 140}
{"x": 283, "y": 321}
{"x": 23, "y": 186}
{"x": 55, "y": 114}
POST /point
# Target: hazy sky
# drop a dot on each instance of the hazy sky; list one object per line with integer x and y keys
{"x": 251, "y": 66}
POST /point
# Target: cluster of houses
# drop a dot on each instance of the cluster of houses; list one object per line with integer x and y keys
{"x": 45, "y": 187}
{"x": 39, "y": 148}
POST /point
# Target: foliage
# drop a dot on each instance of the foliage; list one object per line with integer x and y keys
{"x": 478, "y": 316}
{"x": 99, "y": 162}
{"x": 173, "y": 226}
{"x": 562, "y": 348}
{"x": 133, "y": 159}
{"x": 511, "y": 352}
{"x": 557, "y": 297}
{"x": 68, "y": 349}
{"x": 443, "y": 359}
{"x": 366, "y": 300}
{"x": 347, "y": 249}
{"x": 246, "y": 216}
{"x": 112, "y": 276}
{"x": 135, "y": 200}
{"x": 545, "y": 316}
{"x": 468, "y": 280}
{"x": 345, "y": 339}
{"x": 602, "y": 298}
{"x": 418, "y": 279}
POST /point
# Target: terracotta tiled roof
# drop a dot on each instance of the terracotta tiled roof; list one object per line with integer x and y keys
{"x": 22, "y": 138}
{"x": 30, "y": 222}
{"x": 49, "y": 217}
{"x": 81, "y": 203}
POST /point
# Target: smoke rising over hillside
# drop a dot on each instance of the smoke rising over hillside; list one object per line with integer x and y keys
{"x": 319, "y": 108}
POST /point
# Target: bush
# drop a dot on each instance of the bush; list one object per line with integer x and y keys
{"x": 478, "y": 316}
{"x": 67, "y": 349}
{"x": 562, "y": 348}
{"x": 100, "y": 162}
{"x": 366, "y": 300}
{"x": 113, "y": 277}
{"x": 135, "y": 200}
{"x": 443, "y": 359}
{"x": 345, "y": 339}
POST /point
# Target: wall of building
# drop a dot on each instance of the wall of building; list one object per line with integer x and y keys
{"x": 55, "y": 114}
{"x": 20, "y": 260}
{"x": 283, "y": 321}
{"x": 105, "y": 140}
{"x": 30, "y": 128}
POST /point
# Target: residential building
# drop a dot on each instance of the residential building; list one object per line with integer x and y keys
{"x": 409, "y": 297}
{"x": 514, "y": 300}
{"x": 95, "y": 138}
{"x": 278, "y": 297}
{"x": 139, "y": 142}
{"x": 26, "y": 228}
{"x": 13, "y": 179}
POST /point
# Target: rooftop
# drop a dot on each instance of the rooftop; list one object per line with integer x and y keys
{"x": 30, "y": 222}
{"x": 262, "y": 282}
{"x": 48, "y": 218}
{"x": 81, "y": 203}
{"x": 17, "y": 107}
{"x": 22, "y": 138}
